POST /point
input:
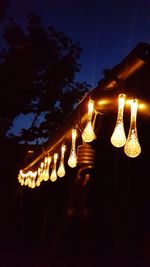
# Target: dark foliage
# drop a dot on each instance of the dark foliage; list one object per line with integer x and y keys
{"x": 37, "y": 75}
{"x": 3, "y": 7}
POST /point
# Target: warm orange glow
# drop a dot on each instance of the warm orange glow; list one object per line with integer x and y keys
{"x": 45, "y": 172}
{"x": 38, "y": 182}
{"x": 118, "y": 137}
{"x": 88, "y": 134}
{"x": 53, "y": 176}
{"x": 61, "y": 169}
{"x": 72, "y": 161}
{"x": 104, "y": 102}
{"x": 132, "y": 147}
{"x": 90, "y": 107}
{"x": 141, "y": 105}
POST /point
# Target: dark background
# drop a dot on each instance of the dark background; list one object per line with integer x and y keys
{"x": 106, "y": 30}
{"x": 107, "y": 222}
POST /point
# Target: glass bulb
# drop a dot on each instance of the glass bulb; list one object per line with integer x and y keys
{"x": 29, "y": 182}
{"x": 32, "y": 184}
{"x": 61, "y": 169}
{"x": 49, "y": 159}
{"x": 38, "y": 182}
{"x": 47, "y": 162}
{"x": 26, "y": 182}
{"x": 46, "y": 174}
{"x": 53, "y": 176}
{"x": 22, "y": 182}
{"x": 40, "y": 174}
{"x": 88, "y": 134}
{"x": 118, "y": 138}
{"x": 72, "y": 161}
{"x": 132, "y": 147}
{"x": 42, "y": 165}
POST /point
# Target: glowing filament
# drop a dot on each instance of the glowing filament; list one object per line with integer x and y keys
{"x": 40, "y": 178}
{"x": 41, "y": 172}
{"x": 38, "y": 182}
{"x": 88, "y": 134}
{"x": 118, "y": 138}
{"x": 132, "y": 147}
{"x": 47, "y": 162}
{"x": 61, "y": 169}
{"x": 53, "y": 176}
{"x": 72, "y": 161}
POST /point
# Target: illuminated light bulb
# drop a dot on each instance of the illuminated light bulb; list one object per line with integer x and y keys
{"x": 53, "y": 176}
{"x": 22, "y": 182}
{"x": 26, "y": 182}
{"x": 32, "y": 184}
{"x": 49, "y": 159}
{"x": 42, "y": 165}
{"x": 72, "y": 161}
{"x": 88, "y": 134}
{"x": 34, "y": 178}
{"x": 29, "y": 182}
{"x": 39, "y": 174}
{"x": 38, "y": 182}
{"x": 132, "y": 147}
{"x": 20, "y": 176}
{"x": 41, "y": 171}
{"x": 61, "y": 169}
{"x": 47, "y": 162}
{"x": 118, "y": 138}
{"x": 46, "y": 175}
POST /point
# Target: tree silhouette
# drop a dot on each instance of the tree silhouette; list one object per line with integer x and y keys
{"x": 3, "y": 6}
{"x": 37, "y": 75}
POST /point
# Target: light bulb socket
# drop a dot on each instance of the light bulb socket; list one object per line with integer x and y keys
{"x": 85, "y": 156}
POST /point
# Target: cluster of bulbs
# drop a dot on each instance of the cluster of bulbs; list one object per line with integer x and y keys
{"x": 48, "y": 167}
{"x": 131, "y": 144}
{"x": 47, "y": 172}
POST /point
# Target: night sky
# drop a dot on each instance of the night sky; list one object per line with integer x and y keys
{"x": 106, "y": 30}
{"x": 107, "y": 222}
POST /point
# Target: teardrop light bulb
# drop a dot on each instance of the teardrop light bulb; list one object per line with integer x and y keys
{"x": 88, "y": 134}
{"x": 53, "y": 176}
{"x": 61, "y": 169}
{"x": 118, "y": 138}
{"x": 47, "y": 162}
{"x": 72, "y": 161}
{"x": 132, "y": 147}
{"x": 38, "y": 182}
{"x": 41, "y": 171}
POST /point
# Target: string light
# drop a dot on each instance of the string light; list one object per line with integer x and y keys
{"x": 38, "y": 182}
{"x": 132, "y": 147}
{"x": 33, "y": 176}
{"x": 72, "y": 161}
{"x": 47, "y": 162}
{"x": 88, "y": 134}
{"x": 53, "y": 176}
{"x": 118, "y": 138}
{"x": 61, "y": 169}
